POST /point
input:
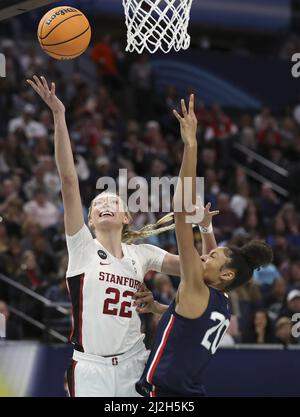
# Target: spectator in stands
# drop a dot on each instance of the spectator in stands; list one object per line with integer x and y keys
{"x": 266, "y": 275}
{"x": 50, "y": 179}
{"x": 10, "y": 258}
{"x": 30, "y": 231}
{"x": 283, "y": 331}
{"x": 294, "y": 275}
{"x": 275, "y": 300}
{"x": 244, "y": 301}
{"x": 260, "y": 330}
{"x": 212, "y": 186}
{"x": 14, "y": 217}
{"x": 248, "y": 137}
{"x": 141, "y": 79}
{"x": 29, "y": 272}
{"x": 8, "y": 193}
{"x": 58, "y": 293}
{"x": 292, "y": 304}
{"x": 278, "y": 228}
{"x": 252, "y": 223}
{"x": 240, "y": 200}
{"x": 41, "y": 210}
{"x": 15, "y": 156}
{"x": 45, "y": 257}
{"x": 265, "y": 120}
{"x": 268, "y": 202}
{"x": 220, "y": 125}
{"x": 291, "y": 220}
{"x": 281, "y": 249}
{"x": 226, "y": 222}
{"x": 32, "y": 62}
{"x": 104, "y": 57}
{"x": 4, "y": 240}
{"x": 169, "y": 102}
{"x": 27, "y": 124}
{"x": 288, "y": 130}
{"x": 36, "y": 180}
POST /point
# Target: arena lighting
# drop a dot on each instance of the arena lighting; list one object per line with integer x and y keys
{"x": 10, "y": 8}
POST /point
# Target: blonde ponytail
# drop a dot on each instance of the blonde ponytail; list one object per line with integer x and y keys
{"x": 130, "y": 236}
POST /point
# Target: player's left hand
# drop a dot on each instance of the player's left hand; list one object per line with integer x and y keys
{"x": 143, "y": 300}
{"x": 208, "y": 215}
{"x": 188, "y": 122}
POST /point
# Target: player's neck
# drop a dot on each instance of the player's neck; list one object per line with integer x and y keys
{"x": 111, "y": 242}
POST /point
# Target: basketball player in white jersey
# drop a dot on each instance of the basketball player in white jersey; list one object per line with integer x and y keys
{"x": 103, "y": 275}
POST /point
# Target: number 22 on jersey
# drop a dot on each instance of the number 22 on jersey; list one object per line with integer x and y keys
{"x": 111, "y": 306}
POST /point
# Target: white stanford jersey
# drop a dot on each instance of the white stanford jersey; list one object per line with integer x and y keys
{"x": 101, "y": 288}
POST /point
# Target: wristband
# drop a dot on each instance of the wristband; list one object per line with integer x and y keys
{"x": 208, "y": 229}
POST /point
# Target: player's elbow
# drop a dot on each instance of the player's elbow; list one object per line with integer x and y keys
{"x": 68, "y": 180}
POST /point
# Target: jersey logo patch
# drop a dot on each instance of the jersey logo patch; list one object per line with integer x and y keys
{"x": 114, "y": 361}
{"x": 102, "y": 254}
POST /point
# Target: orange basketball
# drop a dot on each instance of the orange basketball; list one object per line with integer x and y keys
{"x": 64, "y": 32}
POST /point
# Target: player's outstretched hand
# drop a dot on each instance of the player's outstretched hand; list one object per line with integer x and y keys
{"x": 208, "y": 215}
{"x": 47, "y": 94}
{"x": 188, "y": 122}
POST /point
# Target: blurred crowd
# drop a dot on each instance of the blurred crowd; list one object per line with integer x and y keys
{"x": 118, "y": 121}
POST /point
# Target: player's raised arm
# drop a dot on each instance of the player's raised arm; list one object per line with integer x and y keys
{"x": 63, "y": 155}
{"x": 190, "y": 262}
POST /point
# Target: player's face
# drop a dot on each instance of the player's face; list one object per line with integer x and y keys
{"x": 108, "y": 210}
{"x": 215, "y": 266}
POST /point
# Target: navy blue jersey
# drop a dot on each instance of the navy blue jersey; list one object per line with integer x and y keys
{"x": 183, "y": 348}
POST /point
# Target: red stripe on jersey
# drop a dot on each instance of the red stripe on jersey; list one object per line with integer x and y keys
{"x": 160, "y": 350}
{"x": 71, "y": 378}
{"x": 75, "y": 285}
{"x": 73, "y": 327}
{"x": 74, "y": 363}
{"x": 154, "y": 392}
{"x": 80, "y": 311}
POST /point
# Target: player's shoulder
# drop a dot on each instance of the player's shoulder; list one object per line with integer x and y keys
{"x": 141, "y": 250}
{"x": 219, "y": 298}
{"x": 138, "y": 247}
{"x": 82, "y": 236}
{"x": 219, "y": 294}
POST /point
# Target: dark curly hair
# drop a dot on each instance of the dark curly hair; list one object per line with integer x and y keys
{"x": 246, "y": 259}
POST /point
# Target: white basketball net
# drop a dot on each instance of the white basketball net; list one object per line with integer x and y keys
{"x": 157, "y": 24}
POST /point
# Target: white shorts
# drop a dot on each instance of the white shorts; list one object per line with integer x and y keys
{"x": 96, "y": 376}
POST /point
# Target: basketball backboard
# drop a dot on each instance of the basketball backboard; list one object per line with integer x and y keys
{"x": 10, "y": 8}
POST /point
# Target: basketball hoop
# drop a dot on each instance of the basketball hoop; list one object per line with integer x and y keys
{"x": 157, "y": 24}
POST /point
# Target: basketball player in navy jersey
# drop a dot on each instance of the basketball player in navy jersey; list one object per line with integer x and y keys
{"x": 192, "y": 327}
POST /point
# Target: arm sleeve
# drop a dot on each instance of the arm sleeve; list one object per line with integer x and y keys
{"x": 152, "y": 257}
{"x": 78, "y": 246}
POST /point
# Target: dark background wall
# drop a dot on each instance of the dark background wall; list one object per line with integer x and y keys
{"x": 232, "y": 372}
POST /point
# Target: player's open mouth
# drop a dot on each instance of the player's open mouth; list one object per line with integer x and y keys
{"x": 106, "y": 213}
